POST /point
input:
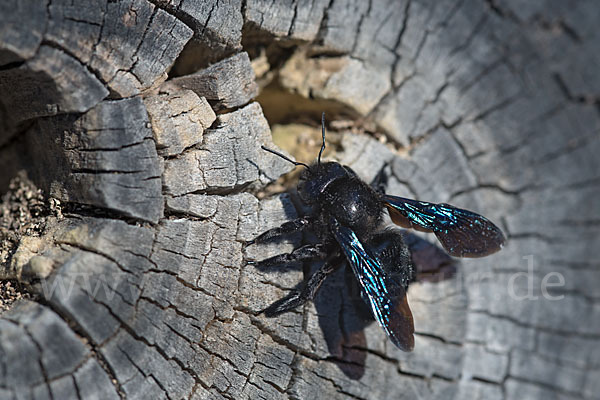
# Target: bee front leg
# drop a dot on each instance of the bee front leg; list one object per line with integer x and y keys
{"x": 285, "y": 229}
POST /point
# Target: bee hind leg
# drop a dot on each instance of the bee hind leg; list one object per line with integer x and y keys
{"x": 298, "y": 297}
{"x": 380, "y": 182}
{"x": 309, "y": 252}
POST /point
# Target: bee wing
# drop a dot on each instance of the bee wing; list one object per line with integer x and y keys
{"x": 386, "y": 295}
{"x": 462, "y": 233}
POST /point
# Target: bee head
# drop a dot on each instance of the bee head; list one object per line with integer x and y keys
{"x": 315, "y": 178}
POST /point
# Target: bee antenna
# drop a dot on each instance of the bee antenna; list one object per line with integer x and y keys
{"x": 323, "y": 135}
{"x": 296, "y": 163}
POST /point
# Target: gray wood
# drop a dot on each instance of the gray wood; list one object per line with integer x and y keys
{"x": 50, "y": 83}
{"x": 105, "y": 158}
{"x": 226, "y": 84}
{"x": 144, "y": 289}
{"x": 217, "y": 31}
{"x": 22, "y": 24}
{"x": 179, "y": 118}
{"x": 228, "y": 159}
{"x": 290, "y": 20}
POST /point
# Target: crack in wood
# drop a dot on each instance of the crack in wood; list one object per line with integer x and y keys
{"x": 78, "y": 330}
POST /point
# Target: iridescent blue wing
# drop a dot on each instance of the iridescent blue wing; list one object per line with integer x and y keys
{"x": 462, "y": 233}
{"x": 384, "y": 290}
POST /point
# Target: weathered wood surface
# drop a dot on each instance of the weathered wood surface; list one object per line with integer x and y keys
{"x": 144, "y": 290}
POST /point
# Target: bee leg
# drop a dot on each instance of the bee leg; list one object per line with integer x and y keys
{"x": 298, "y": 297}
{"x": 394, "y": 255}
{"x": 380, "y": 181}
{"x": 286, "y": 228}
{"x": 308, "y": 252}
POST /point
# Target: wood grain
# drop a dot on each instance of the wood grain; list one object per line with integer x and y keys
{"x": 139, "y": 116}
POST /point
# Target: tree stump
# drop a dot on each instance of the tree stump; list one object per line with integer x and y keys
{"x": 138, "y": 121}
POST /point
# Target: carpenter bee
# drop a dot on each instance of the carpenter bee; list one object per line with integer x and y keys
{"x": 347, "y": 219}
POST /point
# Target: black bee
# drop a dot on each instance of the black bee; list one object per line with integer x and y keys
{"x": 347, "y": 219}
